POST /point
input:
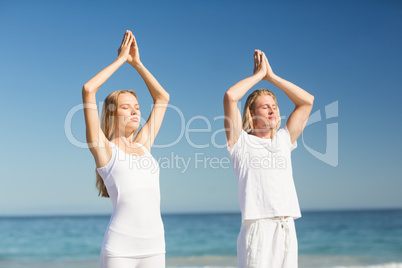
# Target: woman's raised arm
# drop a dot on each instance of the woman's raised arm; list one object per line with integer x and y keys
{"x": 233, "y": 120}
{"x": 148, "y": 132}
{"x": 95, "y": 137}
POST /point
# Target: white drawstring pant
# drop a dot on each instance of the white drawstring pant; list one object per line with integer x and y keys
{"x": 267, "y": 243}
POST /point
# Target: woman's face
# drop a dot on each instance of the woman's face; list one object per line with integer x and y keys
{"x": 128, "y": 111}
{"x": 265, "y": 112}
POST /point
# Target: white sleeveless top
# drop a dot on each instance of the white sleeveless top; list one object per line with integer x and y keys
{"x": 135, "y": 227}
{"x": 264, "y": 170}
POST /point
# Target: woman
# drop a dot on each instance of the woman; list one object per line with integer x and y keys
{"x": 126, "y": 171}
{"x": 260, "y": 153}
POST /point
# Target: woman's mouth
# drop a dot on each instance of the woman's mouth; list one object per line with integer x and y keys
{"x": 135, "y": 119}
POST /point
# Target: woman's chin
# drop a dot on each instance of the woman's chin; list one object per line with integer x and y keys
{"x": 133, "y": 123}
{"x": 132, "y": 126}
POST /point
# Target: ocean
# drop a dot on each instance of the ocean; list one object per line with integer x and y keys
{"x": 361, "y": 238}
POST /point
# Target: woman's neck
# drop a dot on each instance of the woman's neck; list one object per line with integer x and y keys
{"x": 127, "y": 137}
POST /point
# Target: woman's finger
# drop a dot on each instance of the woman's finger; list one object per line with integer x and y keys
{"x": 266, "y": 60}
{"x": 127, "y": 40}
{"x": 261, "y": 58}
{"x": 130, "y": 39}
{"x": 134, "y": 41}
{"x": 124, "y": 37}
{"x": 255, "y": 61}
{"x": 258, "y": 57}
{"x": 123, "y": 43}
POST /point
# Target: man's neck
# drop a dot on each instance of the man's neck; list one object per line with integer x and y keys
{"x": 262, "y": 133}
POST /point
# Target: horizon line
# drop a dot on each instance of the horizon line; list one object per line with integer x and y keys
{"x": 194, "y": 213}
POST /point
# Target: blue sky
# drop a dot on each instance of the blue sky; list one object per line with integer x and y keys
{"x": 345, "y": 53}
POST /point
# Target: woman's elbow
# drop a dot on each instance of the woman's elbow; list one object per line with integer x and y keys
{"x": 167, "y": 97}
{"x": 89, "y": 90}
{"x": 229, "y": 97}
{"x": 86, "y": 89}
{"x": 163, "y": 98}
{"x": 311, "y": 100}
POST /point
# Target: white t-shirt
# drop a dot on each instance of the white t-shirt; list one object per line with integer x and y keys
{"x": 264, "y": 170}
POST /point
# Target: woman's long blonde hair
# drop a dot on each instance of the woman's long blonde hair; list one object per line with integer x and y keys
{"x": 250, "y": 102}
{"x": 108, "y": 126}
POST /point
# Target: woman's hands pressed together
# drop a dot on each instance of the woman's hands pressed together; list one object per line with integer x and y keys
{"x": 124, "y": 51}
{"x": 134, "y": 55}
{"x": 128, "y": 50}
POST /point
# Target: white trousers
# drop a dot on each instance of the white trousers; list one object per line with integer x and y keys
{"x": 267, "y": 243}
{"x": 155, "y": 261}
